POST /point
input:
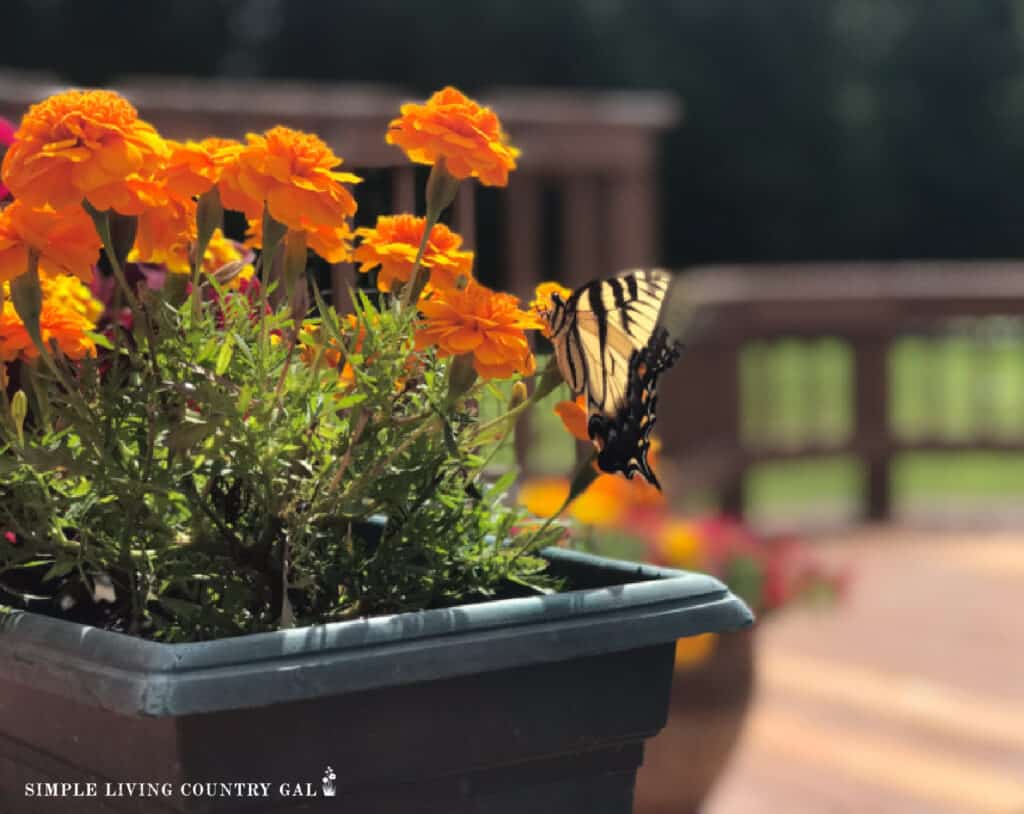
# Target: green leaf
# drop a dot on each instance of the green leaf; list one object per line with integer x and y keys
{"x": 60, "y": 569}
{"x": 501, "y": 487}
{"x": 225, "y": 354}
{"x": 100, "y": 339}
{"x": 350, "y": 401}
{"x": 187, "y": 434}
{"x": 181, "y": 607}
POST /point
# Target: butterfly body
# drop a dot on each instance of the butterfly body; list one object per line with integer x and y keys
{"x": 609, "y": 346}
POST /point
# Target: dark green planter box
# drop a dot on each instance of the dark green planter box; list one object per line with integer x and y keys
{"x": 536, "y": 705}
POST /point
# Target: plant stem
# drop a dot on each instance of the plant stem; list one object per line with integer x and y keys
{"x": 518, "y": 410}
{"x": 361, "y": 422}
{"x": 412, "y": 289}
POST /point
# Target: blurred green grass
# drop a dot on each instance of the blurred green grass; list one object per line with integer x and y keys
{"x": 964, "y": 384}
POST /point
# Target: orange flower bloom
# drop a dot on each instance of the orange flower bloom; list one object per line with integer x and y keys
{"x": 294, "y": 173}
{"x": 313, "y": 344}
{"x": 393, "y": 243}
{"x": 82, "y": 144}
{"x": 574, "y": 417}
{"x": 476, "y": 320}
{"x": 195, "y": 166}
{"x": 69, "y": 313}
{"x": 332, "y": 243}
{"x": 166, "y": 227}
{"x": 455, "y": 129}
{"x": 541, "y": 304}
{"x": 66, "y": 241}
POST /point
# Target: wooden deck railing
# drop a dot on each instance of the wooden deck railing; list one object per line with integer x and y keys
{"x": 867, "y": 307}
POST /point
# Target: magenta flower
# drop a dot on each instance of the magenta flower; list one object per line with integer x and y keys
{"x": 6, "y": 139}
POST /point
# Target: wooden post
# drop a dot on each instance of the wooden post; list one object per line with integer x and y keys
{"x": 464, "y": 216}
{"x": 522, "y": 251}
{"x": 727, "y": 420}
{"x": 583, "y": 253}
{"x": 632, "y": 221}
{"x": 871, "y": 405}
{"x": 343, "y": 277}
{"x": 403, "y": 190}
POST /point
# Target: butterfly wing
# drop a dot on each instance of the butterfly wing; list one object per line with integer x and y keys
{"x": 609, "y": 346}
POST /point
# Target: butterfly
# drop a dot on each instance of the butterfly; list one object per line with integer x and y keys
{"x": 610, "y": 345}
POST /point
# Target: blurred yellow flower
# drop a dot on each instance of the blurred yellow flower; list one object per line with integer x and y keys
{"x": 457, "y": 130}
{"x": 69, "y": 313}
{"x": 680, "y": 545}
{"x": 66, "y": 241}
{"x": 693, "y": 651}
{"x": 82, "y": 144}
{"x": 543, "y": 496}
{"x": 394, "y": 242}
{"x": 222, "y": 251}
{"x": 485, "y": 323}
{"x": 602, "y": 504}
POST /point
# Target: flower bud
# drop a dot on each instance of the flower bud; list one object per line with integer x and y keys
{"x": 519, "y": 395}
{"x": 461, "y": 376}
{"x": 19, "y": 409}
{"x": 209, "y": 217}
{"x": 442, "y": 187}
{"x": 27, "y": 297}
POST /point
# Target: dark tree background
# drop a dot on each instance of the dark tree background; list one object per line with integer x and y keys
{"x": 815, "y": 129}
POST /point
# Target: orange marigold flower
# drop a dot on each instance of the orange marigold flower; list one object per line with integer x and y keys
{"x": 66, "y": 241}
{"x": 294, "y": 173}
{"x": 455, "y": 129}
{"x": 195, "y": 166}
{"x": 476, "y": 320}
{"x": 313, "y": 345}
{"x": 574, "y": 416}
{"x": 69, "y": 314}
{"x": 82, "y": 144}
{"x": 166, "y": 226}
{"x": 541, "y": 303}
{"x": 394, "y": 242}
{"x": 332, "y": 243}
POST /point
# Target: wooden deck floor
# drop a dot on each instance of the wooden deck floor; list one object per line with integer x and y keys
{"x": 908, "y": 698}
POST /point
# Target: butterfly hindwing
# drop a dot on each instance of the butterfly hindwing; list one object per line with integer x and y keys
{"x": 624, "y": 439}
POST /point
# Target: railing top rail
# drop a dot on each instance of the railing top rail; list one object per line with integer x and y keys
{"x": 902, "y": 280}
{"x": 737, "y": 303}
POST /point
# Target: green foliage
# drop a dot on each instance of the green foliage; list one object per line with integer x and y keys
{"x": 228, "y": 479}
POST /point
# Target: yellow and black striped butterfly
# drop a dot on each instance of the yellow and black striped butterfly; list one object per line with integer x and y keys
{"x": 610, "y": 346}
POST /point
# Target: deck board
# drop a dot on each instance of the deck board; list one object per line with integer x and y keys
{"x": 907, "y": 697}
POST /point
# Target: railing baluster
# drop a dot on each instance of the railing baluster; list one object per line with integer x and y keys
{"x": 872, "y": 428}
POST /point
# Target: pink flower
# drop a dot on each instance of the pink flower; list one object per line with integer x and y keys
{"x": 6, "y": 139}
